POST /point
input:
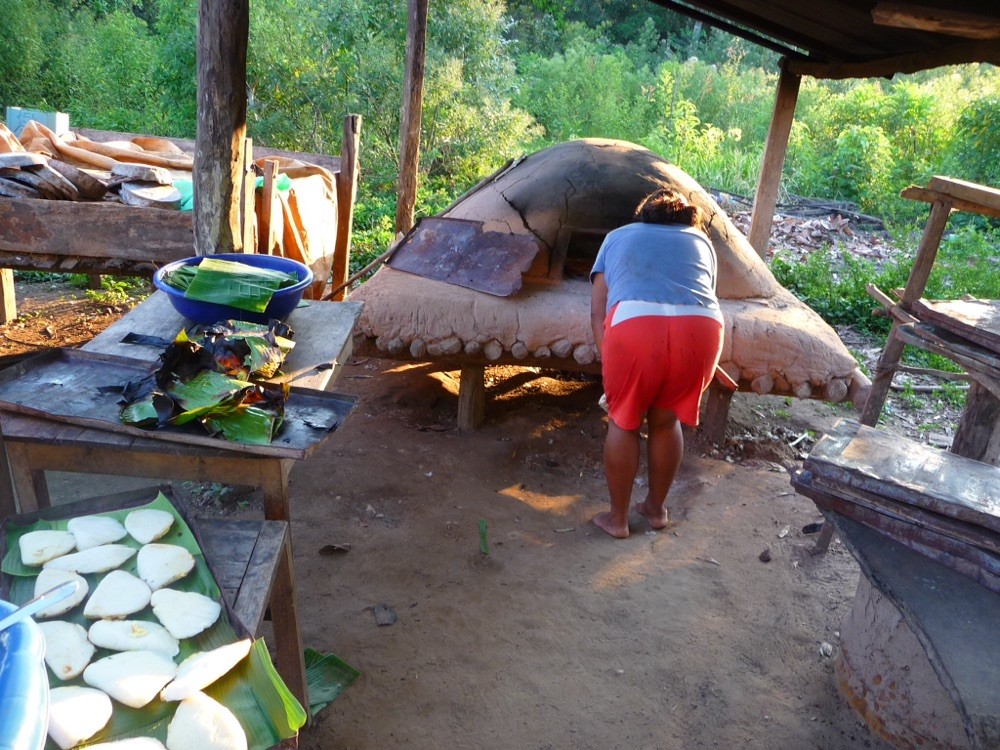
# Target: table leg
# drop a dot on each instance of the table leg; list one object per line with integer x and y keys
{"x": 288, "y": 639}
{"x": 274, "y": 483}
{"x": 30, "y": 485}
{"x": 8, "y": 501}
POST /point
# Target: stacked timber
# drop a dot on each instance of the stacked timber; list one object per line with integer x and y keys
{"x": 940, "y": 505}
{"x": 50, "y": 167}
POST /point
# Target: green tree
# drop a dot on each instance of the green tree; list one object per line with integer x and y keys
{"x": 21, "y": 52}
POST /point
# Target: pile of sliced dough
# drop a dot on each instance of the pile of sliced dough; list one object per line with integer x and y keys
{"x": 141, "y": 666}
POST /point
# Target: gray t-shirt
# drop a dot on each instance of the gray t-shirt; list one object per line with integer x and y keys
{"x": 665, "y": 263}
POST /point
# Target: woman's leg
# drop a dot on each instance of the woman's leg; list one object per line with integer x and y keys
{"x": 621, "y": 462}
{"x": 665, "y": 448}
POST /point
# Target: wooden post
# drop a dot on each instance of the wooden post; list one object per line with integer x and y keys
{"x": 347, "y": 192}
{"x": 774, "y": 159}
{"x": 223, "y": 28}
{"x": 248, "y": 189}
{"x": 8, "y": 298}
{"x": 409, "y": 124}
{"x": 471, "y": 397}
{"x": 270, "y": 208}
{"x": 915, "y": 285}
{"x": 715, "y": 415}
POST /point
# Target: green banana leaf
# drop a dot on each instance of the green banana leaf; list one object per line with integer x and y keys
{"x": 181, "y": 277}
{"x": 253, "y": 690}
{"x": 207, "y": 388}
{"x": 245, "y": 424}
{"x": 236, "y": 284}
{"x": 327, "y": 676}
{"x": 140, "y": 413}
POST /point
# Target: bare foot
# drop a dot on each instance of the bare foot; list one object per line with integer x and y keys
{"x": 606, "y": 522}
{"x": 657, "y": 519}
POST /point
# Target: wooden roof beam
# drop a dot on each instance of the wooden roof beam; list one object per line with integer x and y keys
{"x": 938, "y": 20}
{"x": 886, "y": 67}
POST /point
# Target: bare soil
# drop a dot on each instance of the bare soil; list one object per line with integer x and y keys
{"x": 556, "y": 636}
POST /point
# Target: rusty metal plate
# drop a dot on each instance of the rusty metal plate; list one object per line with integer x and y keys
{"x": 459, "y": 252}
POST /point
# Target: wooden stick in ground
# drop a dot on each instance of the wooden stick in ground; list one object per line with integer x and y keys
{"x": 347, "y": 192}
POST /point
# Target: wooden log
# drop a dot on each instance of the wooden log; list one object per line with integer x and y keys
{"x": 409, "y": 126}
{"x": 89, "y": 187}
{"x": 66, "y": 189}
{"x": 31, "y": 180}
{"x": 937, "y": 20}
{"x": 14, "y": 189}
{"x": 114, "y": 231}
{"x": 775, "y": 149}
{"x": 835, "y": 391}
{"x": 347, "y": 192}
{"x": 223, "y": 27}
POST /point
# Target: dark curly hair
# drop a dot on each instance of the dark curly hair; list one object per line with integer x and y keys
{"x": 667, "y": 206}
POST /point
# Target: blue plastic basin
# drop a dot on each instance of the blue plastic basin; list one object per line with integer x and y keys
{"x": 281, "y": 304}
{"x": 24, "y": 685}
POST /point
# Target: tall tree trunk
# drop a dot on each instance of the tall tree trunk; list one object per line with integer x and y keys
{"x": 223, "y": 30}
{"x": 409, "y": 125}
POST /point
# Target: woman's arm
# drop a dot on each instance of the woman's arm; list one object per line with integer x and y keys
{"x": 598, "y": 309}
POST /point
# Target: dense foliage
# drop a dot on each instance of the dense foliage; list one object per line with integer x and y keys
{"x": 506, "y": 79}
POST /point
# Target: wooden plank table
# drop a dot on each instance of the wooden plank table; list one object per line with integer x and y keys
{"x": 323, "y": 336}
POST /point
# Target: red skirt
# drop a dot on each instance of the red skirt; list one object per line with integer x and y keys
{"x": 662, "y": 362}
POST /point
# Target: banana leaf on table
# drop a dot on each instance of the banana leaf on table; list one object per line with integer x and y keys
{"x": 230, "y": 283}
{"x": 253, "y": 690}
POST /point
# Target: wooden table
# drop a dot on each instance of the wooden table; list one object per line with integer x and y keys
{"x": 323, "y": 336}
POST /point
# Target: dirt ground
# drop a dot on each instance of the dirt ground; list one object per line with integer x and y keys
{"x": 559, "y": 637}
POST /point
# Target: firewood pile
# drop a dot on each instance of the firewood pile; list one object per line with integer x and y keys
{"x": 43, "y": 165}
{"x": 804, "y": 226}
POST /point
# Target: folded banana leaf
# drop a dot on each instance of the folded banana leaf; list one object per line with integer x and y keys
{"x": 253, "y": 690}
{"x": 239, "y": 285}
{"x": 250, "y": 425}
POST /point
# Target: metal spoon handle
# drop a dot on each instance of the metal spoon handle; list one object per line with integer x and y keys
{"x": 50, "y": 597}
